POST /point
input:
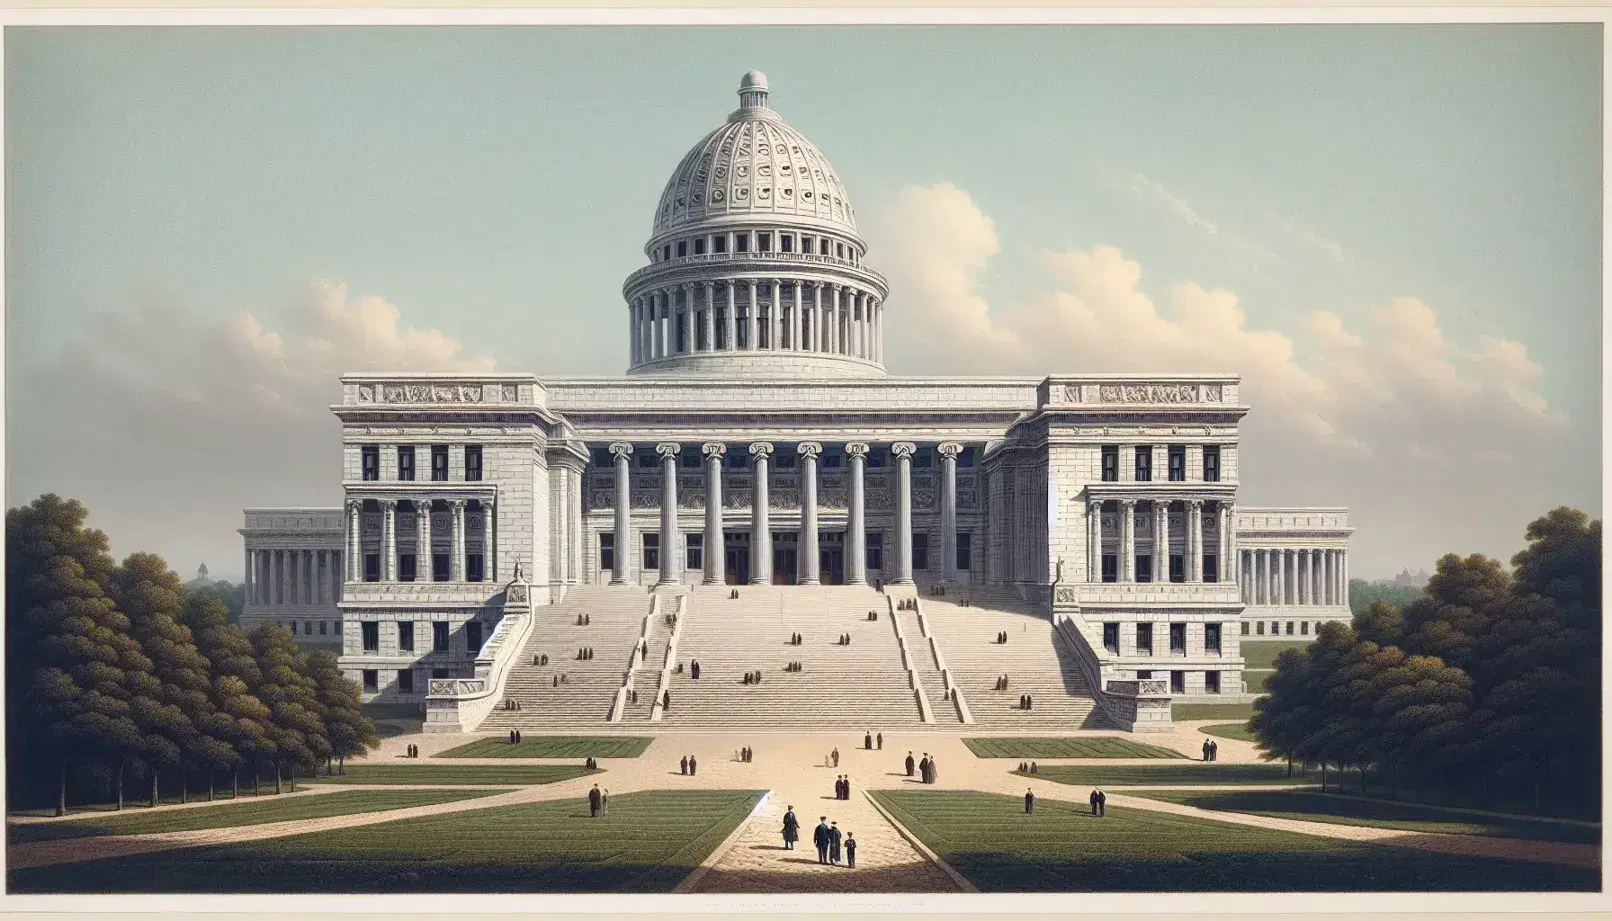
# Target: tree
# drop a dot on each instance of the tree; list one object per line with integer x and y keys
{"x": 232, "y": 595}
{"x": 1290, "y": 713}
{"x": 296, "y": 720}
{"x": 1460, "y": 601}
{"x": 1381, "y": 623}
{"x": 238, "y": 718}
{"x": 1363, "y": 594}
{"x": 350, "y": 731}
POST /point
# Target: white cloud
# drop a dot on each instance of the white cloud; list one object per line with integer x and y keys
{"x": 1153, "y": 191}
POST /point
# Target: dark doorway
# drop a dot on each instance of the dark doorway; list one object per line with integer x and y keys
{"x": 736, "y": 558}
{"x": 784, "y": 559}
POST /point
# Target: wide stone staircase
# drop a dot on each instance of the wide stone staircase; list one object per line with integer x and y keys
{"x": 929, "y": 675}
{"x": 1036, "y": 661}
{"x": 862, "y": 686}
{"x": 584, "y": 700}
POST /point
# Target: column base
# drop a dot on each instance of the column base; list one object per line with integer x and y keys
{"x": 668, "y": 582}
{"x": 899, "y": 581}
{"x": 622, "y": 581}
{"x": 712, "y": 580}
{"x": 809, "y": 582}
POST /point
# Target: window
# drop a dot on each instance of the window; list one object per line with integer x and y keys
{"x": 786, "y": 243}
{"x": 833, "y": 461}
{"x": 694, "y": 546}
{"x": 293, "y": 628}
{"x": 1110, "y": 567}
{"x": 406, "y": 568}
{"x": 1211, "y": 682}
{"x": 307, "y": 628}
{"x": 1144, "y": 568}
{"x": 1110, "y": 463}
{"x": 439, "y": 463}
{"x": 807, "y": 245}
{"x": 764, "y": 242}
{"x": 1245, "y": 628}
{"x": 1211, "y": 569}
{"x": 1111, "y": 637}
{"x": 965, "y": 554}
{"x": 1178, "y": 463}
{"x": 1211, "y": 463}
{"x": 439, "y": 636}
{"x": 405, "y": 636}
{"x": 1178, "y": 567}
{"x": 699, "y": 246}
{"x": 1290, "y": 628}
{"x": 920, "y": 551}
{"x": 682, "y": 335}
{"x": 439, "y": 673}
{"x": 652, "y": 551}
{"x": 741, "y": 243}
{"x": 405, "y": 463}
{"x": 689, "y": 460}
{"x": 875, "y": 552}
{"x": 1178, "y": 682}
{"x": 473, "y": 636}
{"x": 473, "y": 462}
{"x": 371, "y": 632}
{"x": 1211, "y": 639}
{"x": 322, "y": 625}
{"x": 650, "y": 461}
{"x": 1144, "y": 639}
{"x": 824, "y": 246}
{"x": 682, "y": 248}
{"x": 1275, "y": 628}
{"x": 439, "y": 567}
{"x": 371, "y": 456}
{"x": 1178, "y": 639}
{"x": 475, "y": 567}
{"x": 1304, "y": 628}
{"x": 923, "y": 459}
{"x": 878, "y": 458}
{"x": 372, "y": 567}
{"x": 965, "y": 459}
{"x": 405, "y": 680}
{"x": 607, "y": 550}
{"x": 1144, "y": 463}
{"x": 783, "y": 462}
{"x": 371, "y": 680}
{"x": 1259, "y": 627}
{"x": 720, "y": 243}
{"x": 839, "y": 250}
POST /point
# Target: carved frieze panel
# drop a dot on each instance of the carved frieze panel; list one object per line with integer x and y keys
{"x": 431, "y": 392}
{"x": 967, "y": 498}
{"x": 1148, "y": 393}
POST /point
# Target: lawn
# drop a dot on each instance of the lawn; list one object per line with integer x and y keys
{"x": 1337, "y": 810}
{"x": 1263, "y": 655}
{"x": 1067, "y": 748}
{"x": 1258, "y": 680}
{"x": 552, "y": 747}
{"x": 515, "y": 775}
{"x": 1238, "y": 731}
{"x": 1062, "y": 848}
{"x": 230, "y": 814}
{"x": 1184, "y": 712}
{"x": 1191, "y": 773}
{"x": 648, "y": 843}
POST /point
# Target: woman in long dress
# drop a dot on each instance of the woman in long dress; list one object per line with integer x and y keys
{"x": 791, "y": 829}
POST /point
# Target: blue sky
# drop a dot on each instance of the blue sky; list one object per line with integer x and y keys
{"x": 496, "y": 184}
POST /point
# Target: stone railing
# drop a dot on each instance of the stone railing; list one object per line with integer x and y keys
{"x": 460, "y": 705}
{"x": 619, "y": 708}
{"x": 924, "y": 713}
{"x": 785, "y": 261}
{"x": 953, "y": 692}
{"x": 442, "y": 389}
{"x": 1134, "y": 709}
{"x": 657, "y": 710}
{"x": 1216, "y": 391}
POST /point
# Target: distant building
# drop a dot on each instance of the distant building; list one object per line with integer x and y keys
{"x": 1406, "y": 580}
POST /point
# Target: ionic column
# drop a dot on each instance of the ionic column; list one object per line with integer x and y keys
{"x": 853, "y": 323}
{"x": 903, "y": 451}
{"x": 1161, "y": 541}
{"x": 878, "y": 331}
{"x": 774, "y": 321}
{"x": 1223, "y": 563}
{"x": 1195, "y": 540}
{"x": 247, "y": 582}
{"x": 388, "y": 540}
{"x": 457, "y": 561}
{"x": 355, "y": 538}
{"x": 948, "y": 510}
{"x": 856, "y": 537}
{"x": 1279, "y": 557}
{"x": 1094, "y": 539}
{"x": 1343, "y": 577}
{"x": 867, "y": 326}
{"x": 752, "y": 321}
{"x": 670, "y": 567}
{"x": 632, "y": 332}
{"x": 489, "y": 538}
{"x": 795, "y": 323}
{"x": 817, "y": 317}
{"x": 730, "y": 320}
{"x": 806, "y": 558}
{"x": 713, "y": 553}
{"x": 1127, "y": 532}
{"x": 1232, "y": 552}
{"x": 623, "y": 536}
{"x": 760, "y": 517}
{"x": 834, "y": 321}
{"x": 710, "y": 317}
{"x": 424, "y": 570}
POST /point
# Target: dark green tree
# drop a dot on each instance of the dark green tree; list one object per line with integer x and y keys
{"x": 350, "y": 732}
{"x": 239, "y": 718}
{"x": 296, "y": 719}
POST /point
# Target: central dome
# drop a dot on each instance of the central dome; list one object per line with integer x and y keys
{"x": 755, "y": 165}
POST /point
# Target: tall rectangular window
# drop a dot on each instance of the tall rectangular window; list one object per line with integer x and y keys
{"x": 965, "y": 551}
{"x": 1110, "y": 567}
{"x": 764, "y": 242}
{"x": 720, "y": 243}
{"x": 1178, "y": 682}
{"x": 372, "y": 567}
{"x": 370, "y": 457}
{"x": 1177, "y": 459}
{"x": 473, "y": 636}
{"x": 371, "y": 680}
{"x": 694, "y": 546}
{"x": 405, "y": 680}
{"x": 293, "y": 628}
{"x": 1144, "y": 568}
{"x": 1245, "y": 628}
{"x": 1211, "y": 463}
{"x": 405, "y": 636}
{"x": 1144, "y": 463}
{"x": 786, "y": 243}
{"x": 1178, "y": 567}
{"x": 839, "y": 250}
{"x": 1211, "y": 569}
{"x": 741, "y": 243}
{"x": 682, "y": 248}
{"x": 699, "y": 246}
{"x": 371, "y": 633}
{"x": 475, "y": 567}
{"x": 406, "y": 567}
{"x": 439, "y": 463}
{"x": 439, "y": 567}
{"x": 652, "y": 551}
{"x": 1211, "y": 639}
{"x": 1259, "y": 627}
{"x": 473, "y": 463}
{"x": 875, "y": 551}
{"x": 1211, "y": 682}
{"x": 1144, "y": 639}
{"x": 1304, "y": 628}
{"x": 920, "y": 551}
{"x": 1290, "y": 628}
{"x": 439, "y": 636}
{"x": 1110, "y": 463}
{"x": 405, "y": 463}
{"x": 1178, "y": 639}
{"x": 1111, "y": 637}
{"x": 607, "y": 550}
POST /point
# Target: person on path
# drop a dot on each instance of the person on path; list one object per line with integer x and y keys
{"x": 846, "y": 785}
{"x": 850, "y": 851}
{"x": 1214, "y": 750}
{"x": 1029, "y": 802}
{"x": 934, "y": 771}
{"x": 1206, "y": 749}
{"x": 1032, "y": 767}
{"x": 834, "y": 842}
{"x": 1102, "y": 804}
{"x": 682, "y": 766}
{"x": 867, "y": 741}
{"x": 791, "y": 829}
{"x": 604, "y": 802}
{"x": 693, "y": 766}
{"x": 836, "y": 755}
{"x": 593, "y": 801}
{"x": 1093, "y": 800}
{"x": 880, "y": 739}
{"x": 909, "y": 764}
{"x": 820, "y": 838}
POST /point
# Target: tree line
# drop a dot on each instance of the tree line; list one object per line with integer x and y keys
{"x": 114, "y": 665}
{"x": 1489, "y": 680}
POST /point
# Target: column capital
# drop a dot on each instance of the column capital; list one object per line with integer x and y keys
{"x": 949, "y": 449}
{"x": 809, "y": 449}
{"x": 621, "y": 449}
{"x": 760, "y": 449}
{"x": 1128, "y": 503}
{"x": 458, "y": 505}
{"x": 903, "y": 449}
{"x": 709, "y": 285}
{"x": 355, "y": 505}
{"x": 668, "y": 449}
{"x": 1195, "y": 504}
{"x": 857, "y": 449}
{"x": 713, "y": 449}
{"x": 387, "y": 504}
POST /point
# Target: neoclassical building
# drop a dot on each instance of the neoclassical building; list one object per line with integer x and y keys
{"x": 757, "y": 438}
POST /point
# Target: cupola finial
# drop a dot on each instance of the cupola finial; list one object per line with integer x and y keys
{"x": 753, "y": 91}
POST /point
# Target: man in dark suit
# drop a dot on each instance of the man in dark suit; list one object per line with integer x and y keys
{"x": 821, "y": 839}
{"x": 791, "y": 829}
{"x": 1206, "y": 749}
{"x": 1102, "y": 804}
{"x": 693, "y": 766}
{"x": 910, "y": 764}
{"x": 593, "y": 801}
{"x": 1093, "y": 799}
{"x": 867, "y": 741}
{"x": 682, "y": 766}
{"x": 845, "y": 785}
{"x": 1029, "y": 801}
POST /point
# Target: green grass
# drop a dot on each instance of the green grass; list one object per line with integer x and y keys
{"x": 514, "y": 775}
{"x": 1238, "y": 731}
{"x": 1335, "y": 810}
{"x": 230, "y": 815}
{"x": 1066, "y": 748}
{"x": 1258, "y": 679}
{"x": 1263, "y": 655}
{"x": 1062, "y": 848}
{"x": 1192, "y": 773}
{"x": 648, "y": 843}
{"x": 1183, "y": 712}
{"x": 552, "y": 747}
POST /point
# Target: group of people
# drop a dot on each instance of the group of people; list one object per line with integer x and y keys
{"x": 907, "y": 604}
{"x": 868, "y": 739}
{"x": 842, "y": 787}
{"x": 694, "y": 669}
{"x": 845, "y": 639}
{"x": 598, "y": 802}
{"x": 1099, "y": 803}
{"x": 1001, "y": 637}
{"x": 540, "y": 659}
{"x": 514, "y": 737}
{"x": 591, "y": 764}
{"x": 413, "y": 751}
{"x": 1002, "y": 683}
{"x": 688, "y": 765}
{"x": 1211, "y": 750}
{"x": 671, "y": 619}
{"x": 925, "y": 768}
{"x": 873, "y": 615}
{"x": 1025, "y": 768}
{"x": 1026, "y": 702}
{"x": 794, "y": 639}
{"x": 632, "y": 695}
{"x": 586, "y": 652}
{"x": 752, "y": 677}
{"x": 827, "y": 837}
{"x": 584, "y": 620}
{"x": 733, "y": 593}
{"x": 510, "y": 703}
{"x": 793, "y": 667}
{"x": 559, "y": 679}
{"x": 745, "y": 754}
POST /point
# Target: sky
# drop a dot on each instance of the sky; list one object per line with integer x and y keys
{"x": 1393, "y": 233}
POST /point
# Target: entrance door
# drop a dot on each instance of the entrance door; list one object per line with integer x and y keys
{"x": 831, "y": 565}
{"x": 783, "y": 566}
{"x": 736, "y": 558}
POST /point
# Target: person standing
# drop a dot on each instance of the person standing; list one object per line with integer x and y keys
{"x": 1029, "y": 802}
{"x": 867, "y": 741}
{"x": 1214, "y": 750}
{"x": 693, "y": 766}
{"x": 820, "y": 838}
{"x": 834, "y": 842}
{"x": 1093, "y": 799}
{"x": 934, "y": 771}
{"x": 910, "y": 764}
{"x": 604, "y": 803}
{"x": 594, "y": 802}
{"x": 836, "y": 755}
{"x": 694, "y": 669}
{"x": 1102, "y": 804}
{"x": 682, "y": 766}
{"x": 846, "y": 786}
{"x": 850, "y": 851}
{"x": 791, "y": 829}
{"x": 880, "y": 739}
{"x": 1206, "y": 748}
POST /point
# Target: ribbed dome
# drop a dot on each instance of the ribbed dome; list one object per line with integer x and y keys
{"x": 755, "y": 165}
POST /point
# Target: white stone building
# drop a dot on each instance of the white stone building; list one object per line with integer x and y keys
{"x": 756, "y": 438}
